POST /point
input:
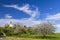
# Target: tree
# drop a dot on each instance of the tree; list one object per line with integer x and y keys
{"x": 1, "y": 31}
{"x": 45, "y": 28}
{"x": 20, "y": 29}
{"x": 8, "y": 31}
{"x": 30, "y": 30}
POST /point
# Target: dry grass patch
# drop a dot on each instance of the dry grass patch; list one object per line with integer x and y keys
{"x": 17, "y": 38}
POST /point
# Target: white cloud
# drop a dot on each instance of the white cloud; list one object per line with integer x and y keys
{"x": 8, "y": 16}
{"x": 57, "y": 25}
{"x": 26, "y": 21}
{"x": 20, "y": 21}
{"x": 26, "y": 8}
{"x": 53, "y": 17}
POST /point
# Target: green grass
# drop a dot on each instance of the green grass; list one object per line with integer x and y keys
{"x": 33, "y": 37}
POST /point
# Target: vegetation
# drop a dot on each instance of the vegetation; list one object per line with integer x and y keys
{"x": 40, "y": 31}
{"x": 44, "y": 28}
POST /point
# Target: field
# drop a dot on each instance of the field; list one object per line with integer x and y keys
{"x": 32, "y": 37}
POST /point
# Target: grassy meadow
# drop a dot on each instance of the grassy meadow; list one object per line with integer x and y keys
{"x": 33, "y": 37}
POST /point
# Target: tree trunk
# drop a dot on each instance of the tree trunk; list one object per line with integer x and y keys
{"x": 44, "y": 36}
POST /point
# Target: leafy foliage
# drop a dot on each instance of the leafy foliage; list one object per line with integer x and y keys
{"x": 45, "y": 28}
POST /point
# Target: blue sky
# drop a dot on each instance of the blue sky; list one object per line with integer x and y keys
{"x": 30, "y": 12}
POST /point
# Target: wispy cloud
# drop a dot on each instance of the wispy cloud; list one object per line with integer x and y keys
{"x": 26, "y": 8}
{"x": 34, "y": 14}
{"x": 53, "y": 17}
{"x": 8, "y": 16}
